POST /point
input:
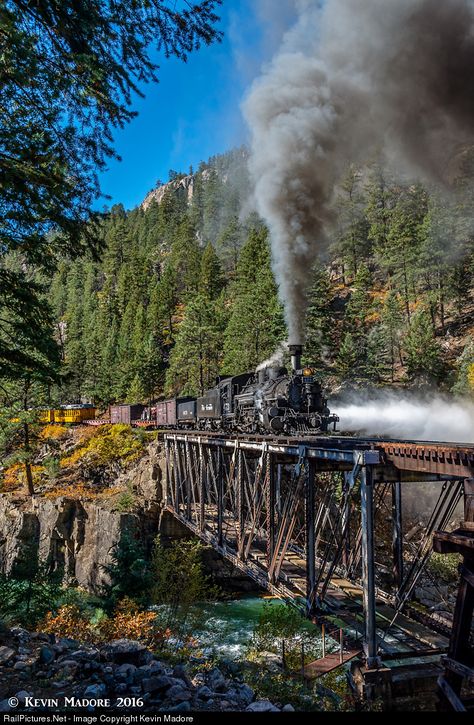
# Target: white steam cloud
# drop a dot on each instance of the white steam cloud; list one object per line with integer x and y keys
{"x": 353, "y": 78}
{"x": 433, "y": 419}
{"x": 276, "y": 359}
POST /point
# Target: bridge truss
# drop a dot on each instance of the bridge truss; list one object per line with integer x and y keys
{"x": 318, "y": 522}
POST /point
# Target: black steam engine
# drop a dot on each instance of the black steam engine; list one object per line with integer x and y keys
{"x": 279, "y": 402}
{"x": 272, "y": 400}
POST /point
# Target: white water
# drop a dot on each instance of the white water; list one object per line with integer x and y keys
{"x": 433, "y": 419}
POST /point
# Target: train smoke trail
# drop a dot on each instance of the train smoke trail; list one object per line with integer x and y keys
{"x": 351, "y": 78}
{"x": 403, "y": 416}
{"x": 276, "y": 359}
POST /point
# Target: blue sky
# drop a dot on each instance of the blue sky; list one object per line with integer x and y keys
{"x": 194, "y": 112}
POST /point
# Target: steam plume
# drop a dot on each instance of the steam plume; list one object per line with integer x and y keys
{"x": 353, "y": 77}
{"x": 276, "y": 359}
{"x": 435, "y": 418}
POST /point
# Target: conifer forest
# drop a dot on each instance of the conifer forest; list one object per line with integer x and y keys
{"x": 184, "y": 290}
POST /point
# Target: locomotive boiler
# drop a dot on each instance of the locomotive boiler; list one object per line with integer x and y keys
{"x": 279, "y": 401}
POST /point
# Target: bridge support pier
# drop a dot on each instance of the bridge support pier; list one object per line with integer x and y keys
{"x": 310, "y": 503}
{"x": 368, "y": 572}
{"x": 397, "y": 536}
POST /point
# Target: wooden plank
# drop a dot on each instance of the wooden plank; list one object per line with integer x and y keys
{"x": 450, "y": 695}
{"x": 462, "y": 670}
{"x": 330, "y": 662}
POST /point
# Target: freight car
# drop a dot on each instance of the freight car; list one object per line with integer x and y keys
{"x": 126, "y": 414}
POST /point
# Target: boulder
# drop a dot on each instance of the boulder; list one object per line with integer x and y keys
{"x": 178, "y": 693}
{"x": 181, "y": 707}
{"x": 20, "y": 665}
{"x": 216, "y": 680}
{"x": 242, "y": 693}
{"x": 262, "y": 706}
{"x": 158, "y": 683}
{"x": 180, "y": 673}
{"x": 94, "y": 691}
{"x": 6, "y": 654}
{"x": 204, "y": 693}
{"x": 46, "y": 655}
{"x": 127, "y": 651}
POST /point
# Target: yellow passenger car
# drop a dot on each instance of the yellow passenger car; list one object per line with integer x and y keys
{"x": 46, "y": 416}
{"x": 68, "y": 414}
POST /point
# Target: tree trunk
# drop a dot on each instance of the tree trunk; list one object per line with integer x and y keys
{"x": 26, "y": 435}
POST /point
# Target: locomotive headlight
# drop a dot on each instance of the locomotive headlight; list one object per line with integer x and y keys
{"x": 307, "y": 372}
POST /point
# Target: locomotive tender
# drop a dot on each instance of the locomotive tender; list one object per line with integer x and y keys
{"x": 270, "y": 400}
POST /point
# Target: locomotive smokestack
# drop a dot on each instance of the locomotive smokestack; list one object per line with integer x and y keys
{"x": 296, "y": 351}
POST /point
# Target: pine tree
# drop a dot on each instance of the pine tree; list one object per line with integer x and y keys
{"x": 185, "y": 259}
{"x": 211, "y": 280}
{"x": 319, "y": 323}
{"x": 196, "y": 356}
{"x": 256, "y": 324}
{"x": 229, "y": 244}
{"x": 422, "y": 352}
{"x": 464, "y": 383}
{"x": 353, "y": 242}
{"x": 392, "y": 326}
{"x": 348, "y": 358}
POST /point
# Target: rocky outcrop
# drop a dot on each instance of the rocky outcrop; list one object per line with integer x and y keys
{"x": 183, "y": 185}
{"x": 40, "y": 666}
{"x": 73, "y": 536}
{"x": 78, "y": 536}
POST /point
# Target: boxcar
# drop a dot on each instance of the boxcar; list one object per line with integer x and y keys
{"x": 166, "y": 413}
{"x": 186, "y": 411}
{"x": 126, "y": 413}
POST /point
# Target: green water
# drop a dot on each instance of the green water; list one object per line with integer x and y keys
{"x": 228, "y": 625}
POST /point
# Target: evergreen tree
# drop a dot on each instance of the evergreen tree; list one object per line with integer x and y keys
{"x": 392, "y": 326}
{"x": 464, "y": 383}
{"x": 256, "y": 324}
{"x": 353, "y": 242}
{"x": 68, "y": 73}
{"x": 211, "y": 280}
{"x": 348, "y": 358}
{"x": 229, "y": 244}
{"x": 422, "y": 352}
{"x": 195, "y": 358}
{"x": 319, "y": 323}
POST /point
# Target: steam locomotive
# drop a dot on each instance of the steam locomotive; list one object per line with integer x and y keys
{"x": 271, "y": 400}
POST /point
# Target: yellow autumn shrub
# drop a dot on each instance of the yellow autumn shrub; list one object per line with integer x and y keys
{"x": 53, "y": 432}
{"x": 110, "y": 443}
{"x": 128, "y": 621}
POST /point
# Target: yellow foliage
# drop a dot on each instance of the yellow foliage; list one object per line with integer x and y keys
{"x": 127, "y": 621}
{"x": 11, "y": 477}
{"x": 68, "y": 623}
{"x": 81, "y": 490}
{"x": 53, "y": 432}
{"x": 109, "y": 443}
{"x": 15, "y": 476}
{"x": 470, "y": 375}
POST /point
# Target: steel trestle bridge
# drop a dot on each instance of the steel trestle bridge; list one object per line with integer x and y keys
{"x": 318, "y": 521}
